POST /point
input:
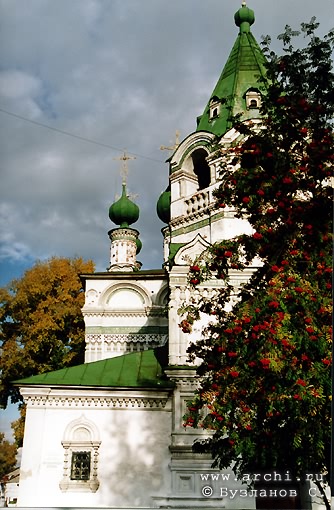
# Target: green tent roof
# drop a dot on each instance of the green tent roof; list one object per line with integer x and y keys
{"x": 134, "y": 370}
{"x": 242, "y": 71}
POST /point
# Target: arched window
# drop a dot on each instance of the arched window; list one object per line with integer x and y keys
{"x": 201, "y": 168}
{"x": 214, "y": 107}
{"x": 253, "y": 99}
{"x": 81, "y": 448}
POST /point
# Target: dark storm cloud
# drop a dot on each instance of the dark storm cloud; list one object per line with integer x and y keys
{"x": 126, "y": 73}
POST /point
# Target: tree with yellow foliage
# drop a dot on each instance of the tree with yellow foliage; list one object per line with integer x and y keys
{"x": 8, "y": 453}
{"x": 41, "y": 325}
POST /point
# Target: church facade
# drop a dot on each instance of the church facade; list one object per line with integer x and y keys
{"x": 110, "y": 433}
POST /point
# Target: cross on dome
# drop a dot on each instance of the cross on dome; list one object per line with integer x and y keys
{"x": 124, "y": 166}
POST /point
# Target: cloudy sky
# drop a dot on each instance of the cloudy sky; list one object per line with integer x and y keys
{"x": 82, "y": 80}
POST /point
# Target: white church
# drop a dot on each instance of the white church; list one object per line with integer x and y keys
{"x": 109, "y": 433}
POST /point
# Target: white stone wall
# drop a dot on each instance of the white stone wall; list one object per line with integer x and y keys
{"x": 124, "y": 315}
{"x": 133, "y": 430}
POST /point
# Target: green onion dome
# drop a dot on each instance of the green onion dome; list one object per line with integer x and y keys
{"x": 163, "y": 206}
{"x": 244, "y": 18}
{"x": 124, "y": 212}
{"x": 139, "y": 245}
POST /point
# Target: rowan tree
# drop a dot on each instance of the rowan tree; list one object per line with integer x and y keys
{"x": 41, "y": 325}
{"x": 266, "y": 361}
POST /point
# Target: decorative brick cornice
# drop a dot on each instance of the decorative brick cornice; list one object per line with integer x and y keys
{"x": 52, "y": 399}
{"x": 200, "y": 218}
{"x": 103, "y": 312}
{"x": 185, "y": 378}
{"x": 128, "y": 330}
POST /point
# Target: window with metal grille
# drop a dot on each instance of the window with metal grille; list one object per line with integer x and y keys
{"x": 80, "y": 466}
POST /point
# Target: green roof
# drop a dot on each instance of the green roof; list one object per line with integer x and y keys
{"x": 242, "y": 71}
{"x": 133, "y": 370}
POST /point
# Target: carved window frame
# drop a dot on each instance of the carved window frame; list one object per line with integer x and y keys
{"x": 214, "y": 108}
{"x": 80, "y": 436}
{"x": 253, "y": 99}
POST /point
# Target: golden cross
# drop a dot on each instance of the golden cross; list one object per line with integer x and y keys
{"x": 176, "y": 144}
{"x": 124, "y": 167}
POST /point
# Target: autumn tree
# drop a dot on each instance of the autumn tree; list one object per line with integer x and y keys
{"x": 17, "y": 426}
{"x": 41, "y": 325}
{"x": 266, "y": 362}
{"x": 8, "y": 453}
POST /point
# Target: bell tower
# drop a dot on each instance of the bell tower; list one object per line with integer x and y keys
{"x": 194, "y": 220}
{"x": 198, "y": 164}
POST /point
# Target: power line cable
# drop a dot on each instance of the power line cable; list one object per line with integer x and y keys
{"x": 83, "y": 139}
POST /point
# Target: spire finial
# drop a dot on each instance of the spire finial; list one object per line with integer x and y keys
{"x": 244, "y": 18}
{"x": 124, "y": 166}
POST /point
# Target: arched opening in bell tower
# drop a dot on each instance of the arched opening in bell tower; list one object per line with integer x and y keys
{"x": 201, "y": 168}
